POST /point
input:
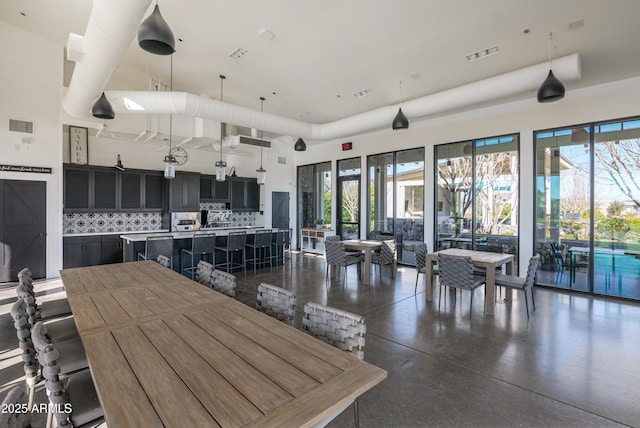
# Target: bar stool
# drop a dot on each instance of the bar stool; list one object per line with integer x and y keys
{"x": 201, "y": 246}
{"x": 236, "y": 241}
{"x": 261, "y": 243}
{"x": 157, "y": 246}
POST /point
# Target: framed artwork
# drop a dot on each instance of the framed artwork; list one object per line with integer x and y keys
{"x": 78, "y": 145}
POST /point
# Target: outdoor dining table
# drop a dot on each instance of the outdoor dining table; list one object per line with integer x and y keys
{"x": 164, "y": 350}
{"x": 368, "y": 247}
{"x": 484, "y": 259}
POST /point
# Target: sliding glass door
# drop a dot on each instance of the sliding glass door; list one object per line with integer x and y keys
{"x": 348, "y": 217}
{"x": 588, "y": 207}
{"x": 396, "y": 199}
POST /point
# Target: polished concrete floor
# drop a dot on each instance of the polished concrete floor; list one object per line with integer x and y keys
{"x": 574, "y": 363}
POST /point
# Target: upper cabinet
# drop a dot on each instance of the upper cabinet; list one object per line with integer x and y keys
{"x": 245, "y": 194}
{"x": 212, "y": 190}
{"x": 105, "y": 189}
{"x": 184, "y": 192}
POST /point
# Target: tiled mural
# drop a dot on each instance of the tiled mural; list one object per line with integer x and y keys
{"x": 111, "y": 222}
{"x": 134, "y": 222}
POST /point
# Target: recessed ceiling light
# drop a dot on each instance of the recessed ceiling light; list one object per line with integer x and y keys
{"x": 266, "y": 34}
{"x": 238, "y": 53}
{"x": 482, "y": 54}
{"x": 364, "y": 93}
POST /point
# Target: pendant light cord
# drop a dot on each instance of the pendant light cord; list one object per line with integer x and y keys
{"x": 171, "y": 115}
{"x": 261, "y": 143}
{"x": 550, "y": 47}
{"x": 221, "y": 124}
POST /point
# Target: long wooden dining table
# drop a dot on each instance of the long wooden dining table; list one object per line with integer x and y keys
{"x": 164, "y": 350}
{"x": 483, "y": 259}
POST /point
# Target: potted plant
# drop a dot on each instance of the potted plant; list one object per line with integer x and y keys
{"x": 319, "y": 223}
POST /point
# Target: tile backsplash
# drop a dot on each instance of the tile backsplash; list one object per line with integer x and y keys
{"x": 135, "y": 221}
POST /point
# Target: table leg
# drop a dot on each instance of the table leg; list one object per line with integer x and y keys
{"x": 428, "y": 275}
{"x": 367, "y": 267}
{"x": 490, "y": 303}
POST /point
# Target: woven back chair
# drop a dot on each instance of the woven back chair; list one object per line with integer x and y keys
{"x": 12, "y": 415}
{"x": 457, "y": 272}
{"x": 522, "y": 284}
{"x": 387, "y": 255}
{"x": 203, "y": 273}
{"x": 276, "y": 302}
{"x": 47, "y": 310}
{"x": 342, "y": 329}
{"x": 25, "y": 277}
{"x": 223, "y": 282}
{"x": 74, "y": 401}
{"x": 23, "y": 332}
{"x": 336, "y": 256}
{"x": 164, "y": 261}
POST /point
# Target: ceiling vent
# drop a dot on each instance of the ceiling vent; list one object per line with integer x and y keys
{"x": 234, "y": 140}
{"x": 21, "y": 126}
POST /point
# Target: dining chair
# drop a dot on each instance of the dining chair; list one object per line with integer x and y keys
{"x": 259, "y": 247}
{"x": 46, "y": 310}
{"x": 202, "y": 246}
{"x": 386, "y": 256}
{"x": 158, "y": 246}
{"x": 223, "y": 282}
{"x": 203, "y": 273}
{"x": 337, "y": 257}
{"x": 74, "y": 400}
{"x": 276, "y": 302}
{"x": 164, "y": 261}
{"x": 13, "y": 414}
{"x": 57, "y": 329}
{"x": 282, "y": 243}
{"x": 523, "y": 284}
{"x": 457, "y": 272}
{"x": 341, "y": 329}
{"x": 236, "y": 243}
{"x": 421, "y": 251}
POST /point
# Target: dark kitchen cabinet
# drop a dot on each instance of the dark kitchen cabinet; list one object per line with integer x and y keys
{"x": 76, "y": 189}
{"x": 130, "y": 190}
{"x": 105, "y": 189}
{"x": 184, "y": 192}
{"x": 245, "y": 194}
{"x": 79, "y": 251}
{"x": 212, "y": 190}
{"x": 111, "y": 249}
{"x": 153, "y": 191}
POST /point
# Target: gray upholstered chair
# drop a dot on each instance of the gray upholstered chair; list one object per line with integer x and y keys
{"x": 157, "y": 246}
{"x": 341, "y": 329}
{"x": 202, "y": 246}
{"x": 236, "y": 242}
{"x": 77, "y": 389}
{"x": 337, "y": 257}
{"x": 421, "y": 251}
{"x": 12, "y": 414}
{"x": 58, "y": 330}
{"x": 282, "y": 244}
{"x": 523, "y": 284}
{"x": 203, "y": 273}
{"x": 223, "y": 282}
{"x": 386, "y": 256}
{"x": 457, "y": 272}
{"x": 276, "y": 302}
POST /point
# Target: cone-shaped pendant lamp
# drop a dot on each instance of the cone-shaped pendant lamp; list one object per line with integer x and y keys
{"x": 400, "y": 121}
{"x": 551, "y": 89}
{"x": 300, "y": 145}
{"x": 102, "y": 108}
{"x": 155, "y": 36}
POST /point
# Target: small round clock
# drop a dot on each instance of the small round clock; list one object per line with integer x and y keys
{"x": 180, "y": 155}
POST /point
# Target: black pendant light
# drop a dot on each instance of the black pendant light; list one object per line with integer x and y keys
{"x": 221, "y": 166}
{"x": 118, "y": 164}
{"x": 102, "y": 108}
{"x": 300, "y": 145}
{"x": 400, "y": 121}
{"x": 155, "y": 36}
{"x": 551, "y": 89}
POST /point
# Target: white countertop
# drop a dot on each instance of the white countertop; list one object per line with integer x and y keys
{"x": 120, "y": 232}
{"x": 137, "y": 237}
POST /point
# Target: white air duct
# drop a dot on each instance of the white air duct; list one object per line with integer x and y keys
{"x": 118, "y": 24}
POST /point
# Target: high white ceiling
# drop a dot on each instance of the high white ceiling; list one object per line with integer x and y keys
{"x": 324, "y": 52}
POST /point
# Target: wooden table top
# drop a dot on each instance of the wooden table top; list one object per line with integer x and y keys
{"x": 479, "y": 257}
{"x": 362, "y": 244}
{"x": 166, "y": 351}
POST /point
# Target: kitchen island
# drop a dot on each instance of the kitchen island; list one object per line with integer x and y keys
{"x": 134, "y": 243}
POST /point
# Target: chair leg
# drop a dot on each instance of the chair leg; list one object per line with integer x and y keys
{"x": 471, "y": 308}
{"x": 356, "y": 414}
{"x": 526, "y": 302}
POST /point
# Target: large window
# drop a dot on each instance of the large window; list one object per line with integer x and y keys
{"x": 587, "y": 207}
{"x": 477, "y": 193}
{"x": 396, "y": 199}
{"x": 314, "y": 195}
{"x": 348, "y": 217}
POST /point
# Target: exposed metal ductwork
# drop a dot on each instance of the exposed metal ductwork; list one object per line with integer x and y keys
{"x": 105, "y": 42}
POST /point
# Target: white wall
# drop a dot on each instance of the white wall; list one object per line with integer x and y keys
{"x": 608, "y": 101}
{"x": 30, "y": 82}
